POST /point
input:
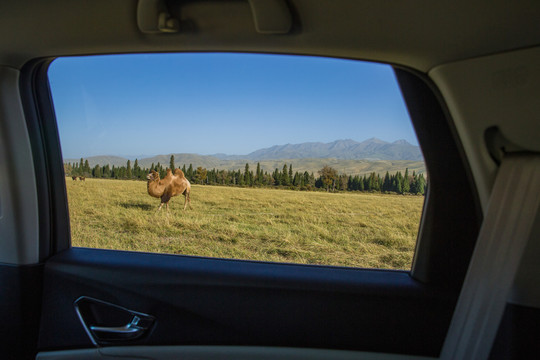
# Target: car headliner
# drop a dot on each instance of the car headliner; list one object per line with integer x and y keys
{"x": 418, "y": 34}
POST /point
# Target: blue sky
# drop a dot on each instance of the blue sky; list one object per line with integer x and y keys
{"x": 210, "y": 103}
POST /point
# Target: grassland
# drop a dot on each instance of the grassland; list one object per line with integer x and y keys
{"x": 347, "y": 229}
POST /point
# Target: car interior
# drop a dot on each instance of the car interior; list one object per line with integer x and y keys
{"x": 469, "y": 73}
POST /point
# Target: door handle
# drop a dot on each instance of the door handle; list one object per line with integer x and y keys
{"x": 106, "y": 323}
{"x": 116, "y": 333}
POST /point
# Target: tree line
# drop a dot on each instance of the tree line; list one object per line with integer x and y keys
{"x": 328, "y": 178}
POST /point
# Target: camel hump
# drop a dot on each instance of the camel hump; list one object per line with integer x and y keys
{"x": 179, "y": 173}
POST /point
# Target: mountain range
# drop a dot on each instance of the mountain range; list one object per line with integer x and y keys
{"x": 370, "y": 149}
{"x": 347, "y": 156}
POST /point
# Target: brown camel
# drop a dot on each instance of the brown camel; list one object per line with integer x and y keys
{"x": 74, "y": 178}
{"x": 82, "y": 178}
{"x": 171, "y": 185}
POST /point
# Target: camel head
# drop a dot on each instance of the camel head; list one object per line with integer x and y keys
{"x": 153, "y": 176}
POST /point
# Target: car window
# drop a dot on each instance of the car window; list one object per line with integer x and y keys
{"x": 248, "y": 156}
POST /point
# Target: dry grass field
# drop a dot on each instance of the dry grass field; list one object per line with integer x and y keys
{"x": 344, "y": 229}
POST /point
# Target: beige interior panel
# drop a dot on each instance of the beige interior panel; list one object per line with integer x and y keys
{"x": 500, "y": 90}
{"x": 18, "y": 196}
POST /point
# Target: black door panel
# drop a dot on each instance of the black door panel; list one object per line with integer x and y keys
{"x": 20, "y": 304}
{"x": 200, "y": 301}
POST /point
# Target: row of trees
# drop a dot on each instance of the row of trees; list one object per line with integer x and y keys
{"x": 328, "y": 178}
{"x": 398, "y": 183}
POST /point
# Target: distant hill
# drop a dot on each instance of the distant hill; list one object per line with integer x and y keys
{"x": 101, "y": 160}
{"x": 346, "y": 156}
{"x": 349, "y": 167}
{"x": 371, "y": 149}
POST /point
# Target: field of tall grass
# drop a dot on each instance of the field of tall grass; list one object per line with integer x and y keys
{"x": 345, "y": 229}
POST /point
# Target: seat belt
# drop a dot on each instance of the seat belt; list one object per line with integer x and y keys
{"x": 505, "y": 231}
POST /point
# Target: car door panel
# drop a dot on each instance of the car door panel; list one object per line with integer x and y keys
{"x": 20, "y": 304}
{"x": 201, "y": 301}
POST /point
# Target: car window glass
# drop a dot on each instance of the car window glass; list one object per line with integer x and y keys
{"x": 247, "y": 156}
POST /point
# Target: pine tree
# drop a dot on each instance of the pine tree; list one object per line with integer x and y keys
{"x": 268, "y": 179}
{"x": 365, "y": 181}
{"x": 301, "y": 182}
{"x": 306, "y": 179}
{"x": 247, "y": 179}
{"x": 277, "y": 177}
{"x": 319, "y": 183}
{"x": 212, "y": 178}
{"x": 128, "y": 169}
{"x": 189, "y": 173}
{"x": 285, "y": 176}
{"x": 290, "y": 174}
{"x": 258, "y": 178}
{"x": 107, "y": 171}
{"x": 421, "y": 184}
{"x": 406, "y": 183}
{"x": 360, "y": 184}
{"x": 387, "y": 183}
{"x": 413, "y": 184}
{"x": 239, "y": 178}
{"x": 96, "y": 172}
{"x": 171, "y": 164}
{"x": 399, "y": 183}
{"x": 296, "y": 180}
{"x": 136, "y": 169}
{"x": 86, "y": 167}
{"x": 373, "y": 182}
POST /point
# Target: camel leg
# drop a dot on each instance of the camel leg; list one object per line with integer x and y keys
{"x": 165, "y": 200}
{"x": 160, "y": 205}
{"x": 187, "y": 201}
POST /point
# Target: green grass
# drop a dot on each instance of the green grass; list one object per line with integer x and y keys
{"x": 345, "y": 229}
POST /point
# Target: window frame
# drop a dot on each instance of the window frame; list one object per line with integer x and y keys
{"x": 437, "y": 258}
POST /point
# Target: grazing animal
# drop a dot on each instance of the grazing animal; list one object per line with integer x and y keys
{"x": 74, "y": 178}
{"x": 82, "y": 178}
{"x": 171, "y": 185}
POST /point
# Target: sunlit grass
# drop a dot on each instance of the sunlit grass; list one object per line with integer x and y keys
{"x": 346, "y": 229}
